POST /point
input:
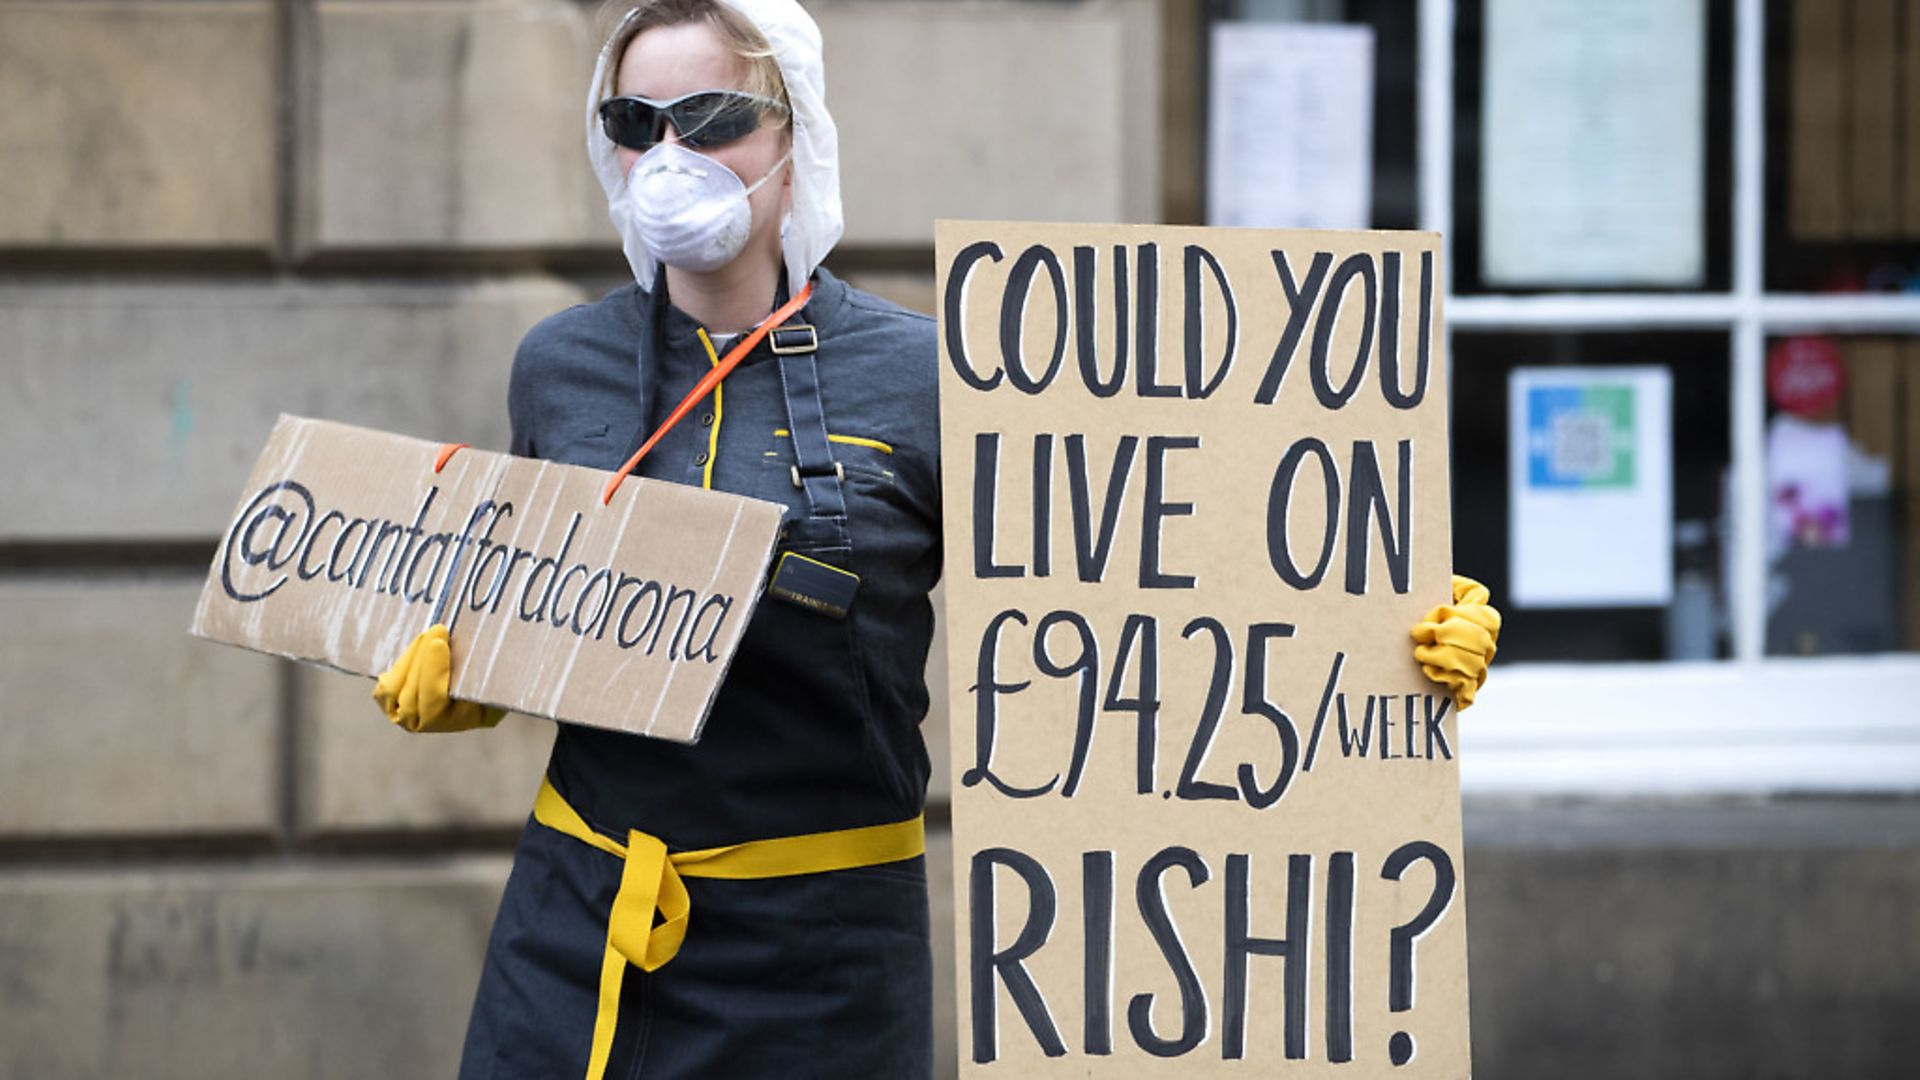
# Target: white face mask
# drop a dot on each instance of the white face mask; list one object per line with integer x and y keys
{"x": 690, "y": 211}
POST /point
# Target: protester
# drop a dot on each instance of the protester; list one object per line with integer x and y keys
{"x": 810, "y": 955}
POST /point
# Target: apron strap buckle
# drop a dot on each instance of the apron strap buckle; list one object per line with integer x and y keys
{"x": 839, "y": 473}
{"x": 794, "y": 339}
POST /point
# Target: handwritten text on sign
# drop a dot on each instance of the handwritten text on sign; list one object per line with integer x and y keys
{"x": 1206, "y": 809}
{"x": 347, "y": 543}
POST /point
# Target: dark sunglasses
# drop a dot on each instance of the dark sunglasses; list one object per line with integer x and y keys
{"x": 703, "y": 119}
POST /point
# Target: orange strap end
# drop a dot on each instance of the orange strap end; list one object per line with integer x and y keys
{"x": 446, "y": 453}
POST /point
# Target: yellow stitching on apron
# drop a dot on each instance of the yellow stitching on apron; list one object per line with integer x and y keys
{"x": 713, "y": 434}
{"x": 850, "y": 440}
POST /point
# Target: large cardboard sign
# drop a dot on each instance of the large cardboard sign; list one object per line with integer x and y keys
{"x": 346, "y": 543}
{"x": 1206, "y": 808}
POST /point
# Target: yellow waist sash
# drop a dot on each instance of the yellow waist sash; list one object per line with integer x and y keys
{"x": 651, "y": 882}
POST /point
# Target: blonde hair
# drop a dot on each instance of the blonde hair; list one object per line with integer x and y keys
{"x": 736, "y": 31}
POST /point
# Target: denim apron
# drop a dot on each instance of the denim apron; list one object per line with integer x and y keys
{"x": 815, "y": 728}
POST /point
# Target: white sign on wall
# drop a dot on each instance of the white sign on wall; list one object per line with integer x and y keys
{"x": 1590, "y": 467}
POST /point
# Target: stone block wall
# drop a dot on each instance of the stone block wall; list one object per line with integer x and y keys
{"x": 139, "y": 125}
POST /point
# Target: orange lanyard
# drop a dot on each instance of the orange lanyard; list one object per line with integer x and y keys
{"x": 707, "y": 382}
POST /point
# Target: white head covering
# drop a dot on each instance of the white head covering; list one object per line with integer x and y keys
{"x": 815, "y": 224}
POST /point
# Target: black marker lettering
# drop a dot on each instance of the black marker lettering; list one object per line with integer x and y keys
{"x": 1300, "y": 300}
{"x": 1091, "y": 550}
{"x": 1155, "y": 509}
{"x": 1198, "y": 385}
{"x": 1368, "y": 497}
{"x": 646, "y": 589}
{"x": 602, "y": 577}
{"x": 704, "y": 651}
{"x": 1436, "y": 733}
{"x": 1096, "y": 897}
{"x": 302, "y": 571}
{"x": 959, "y": 284}
{"x": 1042, "y": 506}
{"x": 1139, "y": 637}
{"x": 1147, "y": 356}
{"x": 1013, "y": 311}
{"x": 986, "y": 486}
{"x": 1390, "y": 332}
{"x": 1150, "y": 895}
{"x": 1008, "y": 965}
{"x": 1292, "y": 949}
{"x": 986, "y": 688}
{"x": 1279, "y": 500}
{"x": 1085, "y": 323}
{"x": 1319, "y": 363}
{"x": 551, "y": 564}
{"x": 1085, "y": 667}
{"x": 1340, "y": 909}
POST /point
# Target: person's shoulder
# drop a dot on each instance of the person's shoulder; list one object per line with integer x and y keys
{"x": 903, "y": 340}
{"x": 582, "y": 354}
{"x": 867, "y": 306}
{"x": 607, "y": 325}
{"x": 865, "y": 311}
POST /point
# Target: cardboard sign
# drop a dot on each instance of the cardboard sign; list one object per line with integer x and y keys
{"x": 1206, "y": 813}
{"x": 346, "y": 544}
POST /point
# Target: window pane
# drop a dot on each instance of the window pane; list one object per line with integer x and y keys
{"x": 1843, "y": 146}
{"x": 1687, "y": 620}
{"x": 1394, "y": 26}
{"x": 1843, "y": 487}
{"x": 1592, "y": 145}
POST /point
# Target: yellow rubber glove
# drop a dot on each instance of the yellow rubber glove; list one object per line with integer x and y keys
{"x": 1455, "y": 641}
{"x": 413, "y": 692}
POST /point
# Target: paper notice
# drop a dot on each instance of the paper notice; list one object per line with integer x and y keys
{"x": 1591, "y": 476}
{"x": 1593, "y": 145}
{"x": 1291, "y": 138}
